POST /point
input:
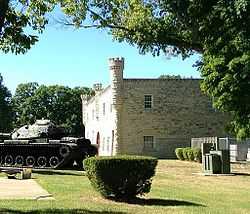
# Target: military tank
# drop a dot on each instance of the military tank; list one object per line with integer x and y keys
{"x": 43, "y": 145}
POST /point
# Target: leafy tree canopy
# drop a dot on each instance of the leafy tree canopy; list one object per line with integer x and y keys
{"x": 22, "y": 20}
{"x": 5, "y": 108}
{"x": 60, "y": 104}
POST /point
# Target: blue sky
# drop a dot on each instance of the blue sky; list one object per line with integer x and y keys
{"x": 80, "y": 58}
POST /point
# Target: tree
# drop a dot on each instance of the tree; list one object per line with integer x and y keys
{"x": 12, "y": 25}
{"x": 5, "y": 108}
{"x": 60, "y": 104}
{"x": 22, "y": 20}
{"x": 23, "y": 92}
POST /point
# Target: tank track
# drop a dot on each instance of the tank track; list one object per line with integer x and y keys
{"x": 35, "y": 155}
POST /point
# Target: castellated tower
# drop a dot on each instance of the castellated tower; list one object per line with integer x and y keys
{"x": 116, "y": 66}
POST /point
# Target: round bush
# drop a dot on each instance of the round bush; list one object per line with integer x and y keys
{"x": 179, "y": 153}
{"x": 197, "y": 154}
{"x": 121, "y": 177}
{"x": 185, "y": 153}
{"x": 190, "y": 154}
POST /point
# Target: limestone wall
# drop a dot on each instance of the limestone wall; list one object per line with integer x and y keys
{"x": 180, "y": 111}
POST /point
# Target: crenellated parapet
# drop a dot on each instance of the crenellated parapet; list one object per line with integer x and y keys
{"x": 97, "y": 87}
{"x": 116, "y": 63}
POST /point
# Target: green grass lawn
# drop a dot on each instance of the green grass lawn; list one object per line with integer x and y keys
{"x": 175, "y": 189}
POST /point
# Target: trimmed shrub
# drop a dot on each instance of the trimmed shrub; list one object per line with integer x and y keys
{"x": 184, "y": 152}
{"x": 121, "y": 177}
{"x": 197, "y": 154}
{"x": 190, "y": 154}
{"x": 179, "y": 153}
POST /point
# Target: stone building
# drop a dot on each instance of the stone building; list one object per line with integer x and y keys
{"x": 148, "y": 116}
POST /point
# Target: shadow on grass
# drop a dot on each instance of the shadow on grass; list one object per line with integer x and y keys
{"x": 57, "y": 211}
{"x": 241, "y": 173}
{"x": 159, "y": 202}
{"x": 59, "y": 172}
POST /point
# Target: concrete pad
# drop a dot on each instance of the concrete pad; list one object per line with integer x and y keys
{"x": 22, "y": 189}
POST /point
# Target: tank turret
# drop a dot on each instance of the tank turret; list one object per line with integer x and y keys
{"x": 43, "y": 145}
{"x": 40, "y": 129}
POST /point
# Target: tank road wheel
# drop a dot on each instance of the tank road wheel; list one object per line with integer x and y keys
{"x": 53, "y": 161}
{"x": 2, "y": 160}
{"x": 41, "y": 161}
{"x": 79, "y": 164}
{"x": 64, "y": 151}
{"x": 9, "y": 160}
{"x": 19, "y": 160}
{"x": 30, "y": 161}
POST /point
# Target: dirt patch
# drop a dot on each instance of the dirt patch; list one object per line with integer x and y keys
{"x": 22, "y": 189}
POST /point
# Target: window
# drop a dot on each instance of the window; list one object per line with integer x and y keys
{"x": 103, "y": 109}
{"x": 148, "y": 142}
{"x": 148, "y": 100}
{"x": 111, "y": 106}
{"x": 108, "y": 142}
{"x": 93, "y": 136}
{"x": 103, "y": 144}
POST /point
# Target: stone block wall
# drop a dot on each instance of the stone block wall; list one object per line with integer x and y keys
{"x": 180, "y": 111}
